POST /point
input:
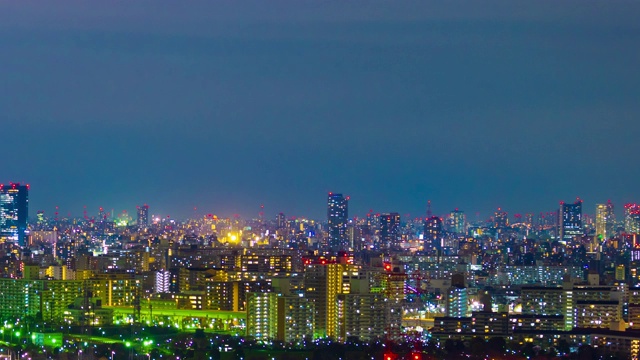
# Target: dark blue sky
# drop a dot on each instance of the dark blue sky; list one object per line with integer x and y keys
{"x": 226, "y": 105}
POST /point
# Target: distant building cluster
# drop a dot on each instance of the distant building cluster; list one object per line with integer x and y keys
{"x": 557, "y": 280}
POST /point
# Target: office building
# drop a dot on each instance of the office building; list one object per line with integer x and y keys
{"x": 500, "y": 219}
{"x": 570, "y": 220}
{"x": 433, "y": 235}
{"x": 632, "y": 218}
{"x": 605, "y": 222}
{"x": 390, "y": 230}
{"x": 143, "y": 216}
{"x": 337, "y": 215}
{"x": 281, "y": 221}
{"x": 14, "y": 211}
{"x": 457, "y": 222}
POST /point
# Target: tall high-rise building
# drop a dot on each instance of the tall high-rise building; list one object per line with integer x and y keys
{"x": 390, "y": 229}
{"x": 143, "y": 216}
{"x": 570, "y": 220}
{"x": 632, "y": 218}
{"x": 355, "y": 235}
{"x": 337, "y": 214}
{"x": 275, "y": 316}
{"x": 501, "y": 219}
{"x": 605, "y": 221}
{"x": 281, "y": 221}
{"x": 14, "y": 210}
{"x": 433, "y": 235}
{"x": 457, "y": 222}
{"x": 324, "y": 281}
{"x": 456, "y": 297}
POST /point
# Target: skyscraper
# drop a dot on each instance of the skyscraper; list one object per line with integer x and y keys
{"x": 570, "y": 220}
{"x": 337, "y": 214}
{"x": 604, "y": 221}
{"x": 14, "y": 210}
{"x": 433, "y": 235}
{"x": 323, "y": 282}
{"x": 456, "y": 221}
{"x": 281, "y": 221}
{"x": 501, "y": 219}
{"x": 632, "y": 218}
{"x": 456, "y": 297}
{"x": 143, "y": 216}
{"x": 390, "y": 229}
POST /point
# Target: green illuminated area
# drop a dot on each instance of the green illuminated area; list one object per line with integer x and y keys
{"x": 227, "y": 322}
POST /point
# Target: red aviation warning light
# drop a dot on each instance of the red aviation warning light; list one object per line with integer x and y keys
{"x": 390, "y": 356}
{"x": 387, "y": 266}
{"x": 416, "y": 356}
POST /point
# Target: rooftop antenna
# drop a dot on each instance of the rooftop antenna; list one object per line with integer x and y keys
{"x": 429, "y": 214}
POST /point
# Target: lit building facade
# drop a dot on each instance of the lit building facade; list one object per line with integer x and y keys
{"x": 362, "y": 316}
{"x": 500, "y": 219}
{"x": 537, "y": 300}
{"x": 570, "y": 222}
{"x": 261, "y": 316}
{"x": 143, "y": 216}
{"x": 390, "y": 230}
{"x": 274, "y": 316}
{"x": 337, "y": 215}
{"x": 433, "y": 235}
{"x": 14, "y": 211}
{"x": 596, "y": 313}
{"x": 605, "y": 221}
{"x": 457, "y": 222}
{"x": 632, "y": 218}
{"x": 457, "y": 301}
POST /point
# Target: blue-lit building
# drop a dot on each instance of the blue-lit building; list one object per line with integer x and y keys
{"x": 457, "y": 301}
{"x": 337, "y": 215}
{"x": 570, "y": 223}
{"x": 14, "y": 210}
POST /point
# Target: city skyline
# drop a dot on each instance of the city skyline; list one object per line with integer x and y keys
{"x": 229, "y": 106}
{"x": 590, "y": 210}
{"x": 384, "y": 180}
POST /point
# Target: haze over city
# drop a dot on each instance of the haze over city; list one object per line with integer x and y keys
{"x": 326, "y": 180}
{"x": 226, "y": 106}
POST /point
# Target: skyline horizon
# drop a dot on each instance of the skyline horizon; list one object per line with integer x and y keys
{"x": 227, "y": 105}
{"x": 360, "y": 213}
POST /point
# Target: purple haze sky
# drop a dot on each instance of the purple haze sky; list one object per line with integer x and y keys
{"x": 226, "y": 105}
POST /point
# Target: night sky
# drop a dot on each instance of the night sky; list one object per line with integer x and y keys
{"x": 226, "y": 105}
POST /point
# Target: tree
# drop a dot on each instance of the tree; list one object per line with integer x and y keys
{"x": 563, "y": 347}
{"x": 478, "y": 347}
{"x": 586, "y": 352}
{"x": 497, "y": 344}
